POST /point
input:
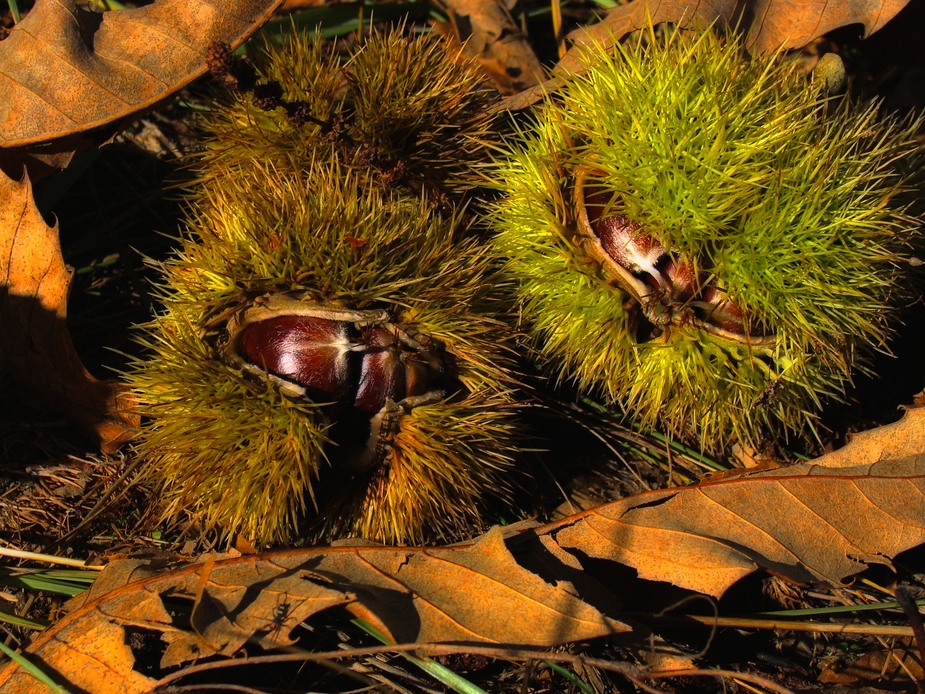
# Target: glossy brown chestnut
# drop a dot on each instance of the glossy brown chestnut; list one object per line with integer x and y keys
{"x": 306, "y": 350}
{"x": 337, "y": 361}
{"x": 361, "y": 365}
{"x": 668, "y": 288}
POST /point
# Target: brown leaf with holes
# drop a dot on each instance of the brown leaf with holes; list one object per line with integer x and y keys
{"x": 489, "y": 33}
{"x": 529, "y": 585}
{"x": 64, "y": 71}
{"x": 35, "y": 345}
{"x": 807, "y": 522}
{"x": 766, "y": 26}
{"x": 465, "y": 593}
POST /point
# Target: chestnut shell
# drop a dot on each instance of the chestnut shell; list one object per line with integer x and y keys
{"x": 362, "y": 366}
{"x": 669, "y": 289}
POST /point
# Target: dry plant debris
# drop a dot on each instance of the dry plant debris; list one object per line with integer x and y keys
{"x": 808, "y": 522}
{"x": 830, "y": 519}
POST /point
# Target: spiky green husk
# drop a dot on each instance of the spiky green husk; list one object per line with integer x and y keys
{"x": 245, "y": 457}
{"x": 445, "y": 459}
{"x": 789, "y": 199}
{"x": 240, "y": 455}
{"x": 405, "y": 112}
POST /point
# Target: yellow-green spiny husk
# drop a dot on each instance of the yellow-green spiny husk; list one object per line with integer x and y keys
{"x": 404, "y": 112}
{"x": 250, "y": 459}
{"x": 785, "y": 201}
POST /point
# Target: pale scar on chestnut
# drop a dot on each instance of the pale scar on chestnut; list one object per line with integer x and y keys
{"x": 669, "y": 289}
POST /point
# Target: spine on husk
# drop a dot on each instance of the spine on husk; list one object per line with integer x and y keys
{"x": 399, "y": 113}
{"x": 711, "y": 242}
{"x": 332, "y": 356}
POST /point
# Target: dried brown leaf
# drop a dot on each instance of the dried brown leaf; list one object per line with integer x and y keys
{"x": 491, "y": 35}
{"x": 808, "y": 522}
{"x": 64, "y": 70}
{"x": 472, "y": 594}
{"x": 767, "y": 25}
{"x": 35, "y": 345}
{"x": 70, "y": 78}
{"x": 891, "y": 666}
{"x": 903, "y": 438}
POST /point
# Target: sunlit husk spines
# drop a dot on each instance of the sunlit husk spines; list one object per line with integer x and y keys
{"x": 245, "y": 450}
{"x": 404, "y": 112}
{"x": 784, "y": 204}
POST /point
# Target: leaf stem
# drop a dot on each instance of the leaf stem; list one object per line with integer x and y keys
{"x": 49, "y": 558}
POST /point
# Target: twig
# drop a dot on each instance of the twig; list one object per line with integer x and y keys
{"x": 48, "y": 558}
{"x": 905, "y": 600}
{"x": 632, "y": 673}
{"x": 792, "y": 625}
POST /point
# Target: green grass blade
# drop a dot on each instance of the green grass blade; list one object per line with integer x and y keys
{"x": 17, "y": 621}
{"x": 440, "y": 673}
{"x": 345, "y": 18}
{"x": 570, "y": 676}
{"x": 837, "y": 609}
{"x": 45, "y": 582}
{"x": 32, "y": 669}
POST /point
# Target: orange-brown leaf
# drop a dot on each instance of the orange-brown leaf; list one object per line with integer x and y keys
{"x": 898, "y": 440}
{"x": 64, "y": 70}
{"x": 491, "y": 35}
{"x": 472, "y": 594}
{"x": 35, "y": 345}
{"x": 807, "y": 522}
{"x": 767, "y": 25}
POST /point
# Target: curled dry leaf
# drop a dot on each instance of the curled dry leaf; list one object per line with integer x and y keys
{"x": 465, "y": 594}
{"x": 491, "y": 35}
{"x": 64, "y": 71}
{"x": 766, "y": 26}
{"x": 809, "y": 522}
{"x": 35, "y": 345}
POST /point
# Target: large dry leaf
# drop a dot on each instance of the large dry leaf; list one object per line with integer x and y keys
{"x": 809, "y": 522}
{"x": 468, "y": 594}
{"x": 35, "y": 345}
{"x": 819, "y": 521}
{"x": 767, "y": 25}
{"x": 64, "y": 70}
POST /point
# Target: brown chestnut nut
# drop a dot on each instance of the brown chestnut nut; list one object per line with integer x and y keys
{"x": 669, "y": 289}
{"x": 364, "y": 367}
